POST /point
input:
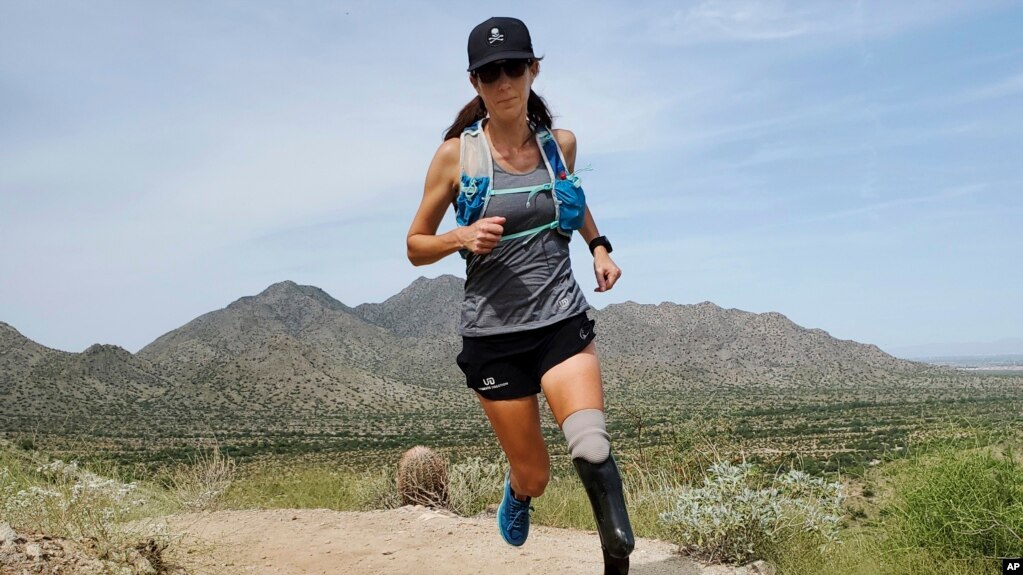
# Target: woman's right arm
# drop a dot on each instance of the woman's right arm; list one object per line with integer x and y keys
{"x": 424, "y": 245}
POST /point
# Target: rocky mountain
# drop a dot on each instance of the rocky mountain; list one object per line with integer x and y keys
{"x": 291, "y": 348}
{"x": 293, "y": 352}
{"x": 41, "y": 384}
{"x": 426, "y": 308}
{"x": 705, "y": 345}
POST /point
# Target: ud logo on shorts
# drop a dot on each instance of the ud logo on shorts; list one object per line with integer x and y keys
{"x": 491, "y": 383}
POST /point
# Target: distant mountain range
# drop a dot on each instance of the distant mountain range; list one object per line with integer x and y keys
{"x": 293, "y": 352}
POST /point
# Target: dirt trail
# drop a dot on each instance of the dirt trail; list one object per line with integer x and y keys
{"x": 412, "y": 540}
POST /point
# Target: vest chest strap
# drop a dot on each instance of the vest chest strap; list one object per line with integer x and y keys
{"x": 530, "y": 231}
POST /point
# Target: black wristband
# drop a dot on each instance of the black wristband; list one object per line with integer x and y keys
{"x": 600, "y": 241}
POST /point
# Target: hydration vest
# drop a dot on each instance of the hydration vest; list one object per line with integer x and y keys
{"x": 475, "y": 190}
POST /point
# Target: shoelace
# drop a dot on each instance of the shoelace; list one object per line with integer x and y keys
{"x": 521, "y": 507}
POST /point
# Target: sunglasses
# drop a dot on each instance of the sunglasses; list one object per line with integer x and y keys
{"x": 512, "y": 68}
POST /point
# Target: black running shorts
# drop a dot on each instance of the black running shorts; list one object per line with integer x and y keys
{"x": 510, "y": 365}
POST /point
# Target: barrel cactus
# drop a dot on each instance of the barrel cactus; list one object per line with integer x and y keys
{"x": 423, "y": 478}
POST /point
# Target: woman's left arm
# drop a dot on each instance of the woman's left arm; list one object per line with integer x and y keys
{"x": 603, "y": 267}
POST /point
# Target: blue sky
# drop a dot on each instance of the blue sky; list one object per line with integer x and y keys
{"x": 852, "y": 165}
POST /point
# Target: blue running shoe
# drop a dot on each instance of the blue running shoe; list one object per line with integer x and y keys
{"x": 513, "y": 516}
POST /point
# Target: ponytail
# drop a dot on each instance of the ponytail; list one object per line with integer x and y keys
{"x": 536, "y": 111}
{"x": 473, "y": 112}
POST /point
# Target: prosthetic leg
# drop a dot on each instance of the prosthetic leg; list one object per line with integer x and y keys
{"x": 604, "y": 487}
{"x": 590, "y": 447}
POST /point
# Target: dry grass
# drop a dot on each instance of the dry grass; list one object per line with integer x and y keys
{"x": 201, "y": 485}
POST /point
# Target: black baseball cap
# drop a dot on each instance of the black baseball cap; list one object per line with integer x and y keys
{"x": 499, "y": 39}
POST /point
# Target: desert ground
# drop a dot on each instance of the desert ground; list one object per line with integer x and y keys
{"x": 411, "y": 539}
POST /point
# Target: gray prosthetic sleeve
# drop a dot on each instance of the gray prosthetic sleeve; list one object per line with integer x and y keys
{"x": 587, "y": 436}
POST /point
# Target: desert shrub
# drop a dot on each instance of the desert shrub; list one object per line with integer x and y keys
{"x": 200, "y": 486}
{"x": 422, "y": 478}
{"x": 473, "y": 484}
{"x": 737, "y": 515}
{"x": 71, "y": 502}
{"x": 694, "y": 445}
{"x": 375, "y": 490}
{"x": 65, "y": 500}
{"x": 949, "y": 508}
{"x": 958, "y": 504}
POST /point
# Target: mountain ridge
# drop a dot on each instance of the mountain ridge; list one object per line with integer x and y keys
{"x": 293, "y": 352}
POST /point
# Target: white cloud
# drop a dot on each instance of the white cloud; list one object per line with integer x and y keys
{"x": 873, "y": 208}
{"x": 1009, "y": 86}
{"x": 755, "y": 21}
{"x": 717, "y": 20}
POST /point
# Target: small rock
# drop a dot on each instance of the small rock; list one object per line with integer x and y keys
{"x": 6, "y": 533}
{"x": 143, "y": 566}
{"x": 33, "y": 551}
{"x": 761, "y": 567}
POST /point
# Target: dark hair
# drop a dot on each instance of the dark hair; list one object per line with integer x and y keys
{"x": 536, "y": 110}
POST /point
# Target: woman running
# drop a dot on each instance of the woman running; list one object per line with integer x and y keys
{"x": 523, "y": 321}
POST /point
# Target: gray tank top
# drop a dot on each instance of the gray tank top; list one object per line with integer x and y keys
{"x": 525, "y": 283}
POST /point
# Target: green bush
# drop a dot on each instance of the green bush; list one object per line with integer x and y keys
{"x": 950, "y": 508}
{"x": 959, "y": 505}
